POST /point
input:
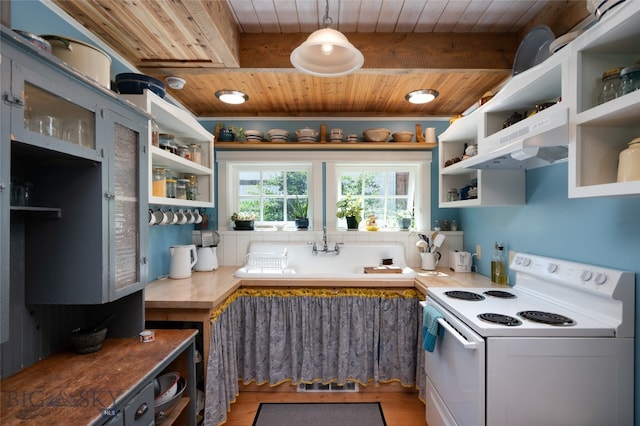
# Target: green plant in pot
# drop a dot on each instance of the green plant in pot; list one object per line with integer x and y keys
{"x": 350, "y": 208}
{"x": 405, "y": 219}
{"x": 229, "y": 133}
{"x": 299, "y": 211}
{"x": 243, "y": 221}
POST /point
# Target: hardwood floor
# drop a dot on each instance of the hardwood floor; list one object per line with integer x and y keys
{"x": 400, "y": 407}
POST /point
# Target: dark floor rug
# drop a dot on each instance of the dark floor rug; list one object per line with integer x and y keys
{"x": 320, "y": 414}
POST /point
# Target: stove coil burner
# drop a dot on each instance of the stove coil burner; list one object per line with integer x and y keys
{"x": 500, "y": 293}
{"x": 500, "y": 319}
{"x": 547, "y": 318}
{"x": 464, "y": 295}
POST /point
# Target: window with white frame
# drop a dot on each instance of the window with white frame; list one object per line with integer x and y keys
{"x": 271, "y": 191}
{"x": 385, "y": 190}
{"x": 266, "y": 183}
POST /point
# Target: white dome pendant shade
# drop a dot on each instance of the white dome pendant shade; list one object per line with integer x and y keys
{"x": 327, "y": 53}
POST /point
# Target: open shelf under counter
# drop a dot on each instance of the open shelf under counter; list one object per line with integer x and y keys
{"x": 329, "y": 146}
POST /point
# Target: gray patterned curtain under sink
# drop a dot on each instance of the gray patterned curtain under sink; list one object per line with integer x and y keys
{"x": 312, "y": 335}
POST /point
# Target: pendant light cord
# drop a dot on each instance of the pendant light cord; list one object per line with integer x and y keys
{"x": 326, "y": 20}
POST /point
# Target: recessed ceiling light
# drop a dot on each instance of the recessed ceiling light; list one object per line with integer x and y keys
{"x": 232, "y": 96}
{"x": 421, "y": 96}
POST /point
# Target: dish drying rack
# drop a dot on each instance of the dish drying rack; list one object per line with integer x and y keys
{"x": 267, "y": 262}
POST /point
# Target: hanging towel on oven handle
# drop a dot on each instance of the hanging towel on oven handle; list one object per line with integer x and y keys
{"x": 430, "y": 327}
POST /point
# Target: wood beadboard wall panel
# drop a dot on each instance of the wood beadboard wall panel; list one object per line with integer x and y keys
{"x": 38, "y": 331}
{"x": 234, "y": 244}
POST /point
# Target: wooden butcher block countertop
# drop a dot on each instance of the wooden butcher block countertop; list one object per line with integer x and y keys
{"x": 206, "y": 290}
{"x": 72, "y": 389}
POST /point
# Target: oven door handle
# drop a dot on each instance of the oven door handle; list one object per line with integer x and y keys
{"x": 464, "y": 342}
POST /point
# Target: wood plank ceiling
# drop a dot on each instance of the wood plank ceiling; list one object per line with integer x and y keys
{"x": 462, "y": 48}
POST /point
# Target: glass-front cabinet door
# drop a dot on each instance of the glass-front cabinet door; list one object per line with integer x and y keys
{"x": 56, "y": 114}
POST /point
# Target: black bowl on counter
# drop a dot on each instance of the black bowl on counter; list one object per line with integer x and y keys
{"x": 134, "y": 84}
{"x": 86, "y": 341}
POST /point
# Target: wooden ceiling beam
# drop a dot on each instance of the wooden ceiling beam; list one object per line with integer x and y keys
{"x": 218, "y": 28}
{"x": 398, "y": 51}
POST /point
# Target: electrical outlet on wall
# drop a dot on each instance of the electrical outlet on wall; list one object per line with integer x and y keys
{"x": 478, "y": 252}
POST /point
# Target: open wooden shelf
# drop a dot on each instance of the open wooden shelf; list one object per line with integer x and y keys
{"x": 330, "y": 146}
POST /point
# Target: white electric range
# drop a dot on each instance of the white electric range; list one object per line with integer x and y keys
{"x": 556, "y": 348}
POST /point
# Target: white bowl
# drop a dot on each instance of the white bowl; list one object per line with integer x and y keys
{"x": 377, "y": 135}
{"x": 402, "y": 136}
{"x": 168, "y": 386}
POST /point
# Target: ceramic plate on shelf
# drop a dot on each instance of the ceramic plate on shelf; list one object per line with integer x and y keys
{"x": 533, "y": 49}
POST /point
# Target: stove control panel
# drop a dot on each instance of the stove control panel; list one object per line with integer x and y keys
{"x": 590, "y": 277}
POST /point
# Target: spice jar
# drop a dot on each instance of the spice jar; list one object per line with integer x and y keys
{"x": 181, "y": 189}
{"x": 629, "y": 79}
{"x": 610, "y": 85}
{"x": 192, "y": 187}
{"x": 159, "y": 186}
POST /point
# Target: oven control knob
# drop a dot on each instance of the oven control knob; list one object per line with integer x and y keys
{"x": 526, "y": 261}
{"x": 586, "y": 275}
{"x": 552, "y": 267}
{"x": 600, "y": 278}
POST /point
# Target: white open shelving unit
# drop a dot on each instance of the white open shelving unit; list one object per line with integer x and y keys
{"x": 182, "y": 124}
{"x": 589, "y": 136}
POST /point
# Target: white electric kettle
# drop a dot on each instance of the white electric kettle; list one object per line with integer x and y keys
{"x": 182, "y": 260}
{"x": 207, "y": 259}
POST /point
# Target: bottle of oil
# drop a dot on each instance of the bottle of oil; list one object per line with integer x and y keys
{"x": 494, "y": 262}
{"x": 501, "y": 267}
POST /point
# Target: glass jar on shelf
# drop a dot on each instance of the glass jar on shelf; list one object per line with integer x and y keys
{"x": 610, "y": 85}
{"x": 629, "y": 79}
{"x": 171, "y": 187}
{"x": 196, "y": 153}
{"x": 155, "y": 134}
{"x": 184, "y": 152}
{"x": 159, "y": 186}
{"x": 192, "y": 187}
{"x": 168, "y": 143}
{"x": 181, "y": 189}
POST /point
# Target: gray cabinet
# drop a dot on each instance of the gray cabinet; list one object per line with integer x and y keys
{"x": 5, "y": 164}
{"x": 82, "y": 154}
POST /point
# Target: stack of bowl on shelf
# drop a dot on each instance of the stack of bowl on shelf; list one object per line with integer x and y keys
{"x": 254, "y": 135}
{"x": 335, "y": 135}
{"x": 278, "y": 135}
{"x": 307, "y": 135}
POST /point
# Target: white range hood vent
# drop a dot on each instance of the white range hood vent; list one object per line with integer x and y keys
{"x": 528, "y": 144}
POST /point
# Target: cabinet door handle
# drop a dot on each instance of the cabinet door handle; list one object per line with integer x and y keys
{"x": 141, "y": 411}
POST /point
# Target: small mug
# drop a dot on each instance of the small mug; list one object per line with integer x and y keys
{"x": 160, "y": 217}
{"x": 171, "y": 217}
{"x": 197, "y": 216}
{"x": 190, "y": 217}
{"x": 181, "y": 218}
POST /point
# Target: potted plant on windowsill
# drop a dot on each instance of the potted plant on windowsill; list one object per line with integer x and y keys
{"x": 299, "y": 211}
{"x": 351, "y": 209}
{"x": 243, "y": 221}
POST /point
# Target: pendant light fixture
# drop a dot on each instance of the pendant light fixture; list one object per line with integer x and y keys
{"x": 327, "y": 52}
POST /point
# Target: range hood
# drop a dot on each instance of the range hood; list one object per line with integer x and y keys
{"x": 537, "y": 141}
